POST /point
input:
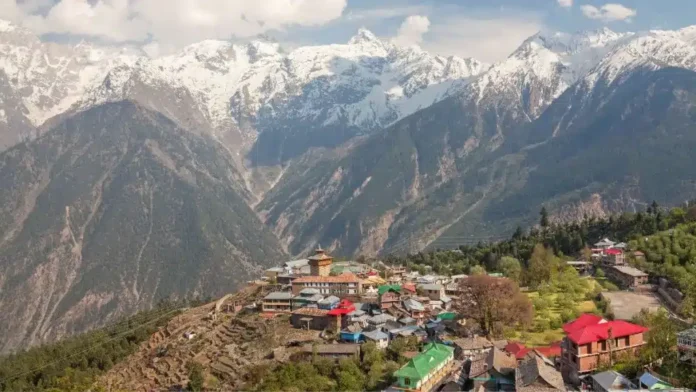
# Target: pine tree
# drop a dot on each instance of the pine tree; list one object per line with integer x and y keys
{"x": 544, "y": 220}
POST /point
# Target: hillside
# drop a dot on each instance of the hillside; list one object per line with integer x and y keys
{"x": 112, "y": 210}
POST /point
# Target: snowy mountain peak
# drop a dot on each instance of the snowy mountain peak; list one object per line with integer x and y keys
{"x": 365, "y": 37}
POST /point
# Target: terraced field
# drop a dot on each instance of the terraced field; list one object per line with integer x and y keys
{"x": 226, "y": 344}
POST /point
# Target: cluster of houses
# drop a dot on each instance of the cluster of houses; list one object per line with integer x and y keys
{"x": 358, "y": 305}
{"x": 612, "y": 257}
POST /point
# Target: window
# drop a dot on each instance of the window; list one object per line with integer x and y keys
{"x": 626, "y": 342}
{"x": 589, "y": 348}
{"x": 407, "y": 381}
{"x": 604, "y": 345}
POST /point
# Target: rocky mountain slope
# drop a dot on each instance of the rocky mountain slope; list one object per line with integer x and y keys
{"x": 112, "y": 210}
{"x": 563, "y": 120}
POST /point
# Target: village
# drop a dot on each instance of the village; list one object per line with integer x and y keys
{"x": 350, "y": 304}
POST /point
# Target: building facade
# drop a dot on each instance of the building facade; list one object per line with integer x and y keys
{"x": 591, "y": 341}
{"x": 686, "y": 345}
{"x": 340, "y": 286}
{"x": 320, "y": 263}
{"x": 277, "y": 302}
{"x": 627, "y": 277}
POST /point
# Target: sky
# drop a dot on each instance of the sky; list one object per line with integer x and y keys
{"x": 487, "y": 30}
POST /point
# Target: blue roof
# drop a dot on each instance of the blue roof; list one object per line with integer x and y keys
{"x": 649, "y": 380}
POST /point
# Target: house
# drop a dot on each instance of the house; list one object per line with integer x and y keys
{"x": 372, "y": 282}
{"x": 434, "y": 291}
{"x": 296, "y": 267}
{"x": 332, "y": 351}
{"x": 610, "y": 381}
{"x": 340, "y": 286}
{"x": 494, "y": 371}
{"x": 339, "y": 314}
{"x": 408, "y": 320}
{"x": 590, "y": 340}
{"x": 320, "y": 263}
{"x": 286, "y": 279}
{"x": 408, "y": 288}
{"x": 648, "y": 381}
{"x": 614, "y": 257}
{"x": 518, "y": 350}
{"x": 389, "y": 295}
{"x": 328, "y": 303}
{"x": 415, "y": 308}
{"x": 277, "y": 302}
{"x": 626, "y": 276}
{"x": 380, "y": 338}
{"x": 472, "y": 347}
{"x": 395, "y": 270}
{"x": 536, "y": 373}
{"x": 379, "y": 320}
{"x": 686, "y": 345}
{"x": 272, "y": 273}
{"x": 352, "y": 333}
{"x": 307, "y": 297}
{"x": 427, "y": 369}
{"x": 605, "y": 243}
{"x": 310, "y": 318}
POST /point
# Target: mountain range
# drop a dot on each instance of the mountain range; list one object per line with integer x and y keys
{"x": 128, "y": 178}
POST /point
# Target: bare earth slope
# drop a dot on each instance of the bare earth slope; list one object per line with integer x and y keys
{"x": 112, "y": 210}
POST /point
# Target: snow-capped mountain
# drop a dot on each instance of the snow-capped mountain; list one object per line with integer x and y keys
{"x": 486, "y": 159}
{"x": 237, "y": 91}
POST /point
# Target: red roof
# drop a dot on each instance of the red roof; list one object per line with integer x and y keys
{"x": 372, "y": 273}
{"x": 583, "y": 321}
{"x": 344, "y": 307}
{"x": 514, "y": 347}
{"x": 613, "y": 251}
{"x": 520, "y": 354}
{"x": 597, "y": 332}
{"x": 553, "y": 350}
{"x": 409, "y": 286}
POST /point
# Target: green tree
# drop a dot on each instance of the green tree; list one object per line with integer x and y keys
{"x": 195, "y": 375}
{"x": 511, "y": 268}
{"x": 349, "y": 376}
{"x": 477, "y": 270}
{"x": 543, "y": 218}
{"x": 542, "y": 266}
{"x": 599, "y": 273}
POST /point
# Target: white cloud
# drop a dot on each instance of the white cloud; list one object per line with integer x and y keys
{"x": 386, "y": 13}
{"x": 485, "y": 39}
{"x": 565, "y": 3}
{"x": 609, "y": 12}
{"x": 412, "y": 29}
{"x": 170, "y": 22}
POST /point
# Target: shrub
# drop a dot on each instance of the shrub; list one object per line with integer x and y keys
{"x": 541, "y": 325}
{"x": 555, "y": 323}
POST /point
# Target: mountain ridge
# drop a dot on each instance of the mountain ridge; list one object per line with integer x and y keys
{"x": 112, "y": 210}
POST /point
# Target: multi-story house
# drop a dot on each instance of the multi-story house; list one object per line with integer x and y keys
{"x": 389, "y": 295}
{"x": 340, "y": 286}
{"x": 686, "y": 344}
{"x": 591, "y": 341}
{"x": 277, "y": 302}
{"x": 613, "y": 257}
{"x": 627, "y": 277}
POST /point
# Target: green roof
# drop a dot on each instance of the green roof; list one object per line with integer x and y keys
{"x": 433, "y": 355}
{"x": 447, "y": 316}
{"x": 387, "y": 287}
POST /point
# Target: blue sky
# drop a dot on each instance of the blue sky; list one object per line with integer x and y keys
{"x": 456, "y": 27}
{"x": 485, "y": 29}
